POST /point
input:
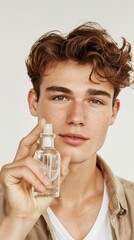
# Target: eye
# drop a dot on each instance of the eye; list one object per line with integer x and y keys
{"x": 60, "y": 98}
{"x": 96, "y": 101}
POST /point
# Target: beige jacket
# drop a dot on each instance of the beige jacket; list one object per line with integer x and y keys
{"x": 121, "y": 209}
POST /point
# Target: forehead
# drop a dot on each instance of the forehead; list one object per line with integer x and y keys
{"x": 68, "y": 69}
{"x": 73, "y": 75}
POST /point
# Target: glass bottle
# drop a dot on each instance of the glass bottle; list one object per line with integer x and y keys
{"x": 49, "y": 160}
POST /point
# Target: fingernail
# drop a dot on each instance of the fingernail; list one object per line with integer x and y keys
{"x": 47, "y": 181}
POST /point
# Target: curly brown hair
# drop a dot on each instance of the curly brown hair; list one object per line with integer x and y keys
{"x": 87, "y": 44}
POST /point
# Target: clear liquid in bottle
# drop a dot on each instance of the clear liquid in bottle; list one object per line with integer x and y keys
{"x": 49, "y": 160}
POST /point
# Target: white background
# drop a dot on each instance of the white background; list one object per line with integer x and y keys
{"x": 21, "y": 23}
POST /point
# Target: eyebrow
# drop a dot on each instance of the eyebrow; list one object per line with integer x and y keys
{"x": 58, "y": 89}
{"x": 98, "y": 92}
{"x": 90, "y": 91}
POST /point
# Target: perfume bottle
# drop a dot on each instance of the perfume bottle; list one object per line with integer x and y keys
{"x": 49, "y": 160}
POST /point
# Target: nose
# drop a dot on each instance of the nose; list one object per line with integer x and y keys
{"x": 76, "y": 114}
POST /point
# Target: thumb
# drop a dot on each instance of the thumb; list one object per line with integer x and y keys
{"x": 28, "y": 144}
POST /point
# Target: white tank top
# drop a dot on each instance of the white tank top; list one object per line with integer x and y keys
{"x": 100, "y": 230}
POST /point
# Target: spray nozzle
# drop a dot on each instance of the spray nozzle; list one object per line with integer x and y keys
{"x": 48, "y": 129}
{"x": 48, "y": 136}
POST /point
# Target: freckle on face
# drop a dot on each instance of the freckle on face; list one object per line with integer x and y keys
{"x": 75, "y": 78}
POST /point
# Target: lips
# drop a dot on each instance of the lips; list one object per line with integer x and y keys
{"x": 73, "y": 139}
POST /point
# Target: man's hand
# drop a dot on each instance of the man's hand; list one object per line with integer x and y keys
{"x": 20, "y": 177}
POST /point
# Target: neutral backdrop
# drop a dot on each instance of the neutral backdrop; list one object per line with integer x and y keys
{"x": 21, "y": 23}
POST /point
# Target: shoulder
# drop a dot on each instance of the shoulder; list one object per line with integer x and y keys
{"x": 114, "y": 181}
{"x": 127, "y": 185}
{"x": 128, "y": 189}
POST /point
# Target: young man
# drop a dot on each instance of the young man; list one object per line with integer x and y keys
{"x": 76, "y": 80}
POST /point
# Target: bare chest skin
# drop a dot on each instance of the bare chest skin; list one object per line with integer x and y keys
{"x": 78, "y": 219}
{"x": 79, "y": 215}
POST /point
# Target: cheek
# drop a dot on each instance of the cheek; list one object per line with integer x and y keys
{"x": 51, "y": 113}
{"x": 105, "y": 122}
{"x": 102, "y": 124}
{"x": 100, "y": 117}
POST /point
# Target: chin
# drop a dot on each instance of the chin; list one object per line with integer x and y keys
{"x": 75, "y": 158}
{"x": 76, "y": 154}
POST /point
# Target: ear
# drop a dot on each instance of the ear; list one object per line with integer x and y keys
{"x": 115, "y": 111}
{"x": 32, "y": 101}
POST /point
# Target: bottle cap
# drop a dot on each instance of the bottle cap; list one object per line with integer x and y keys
{"x": 48, "y": 129}
{"x": 47, "y": 136}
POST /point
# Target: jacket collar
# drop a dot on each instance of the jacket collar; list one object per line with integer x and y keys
{"x": 116, "y": 195}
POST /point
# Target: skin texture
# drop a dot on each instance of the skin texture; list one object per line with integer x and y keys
{"x": 17, "y": 180}
{"x": 81, "y": 113}
{"x": 75, "y": 111}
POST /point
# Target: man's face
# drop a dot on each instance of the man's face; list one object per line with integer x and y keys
{"x": 79, "y": 110}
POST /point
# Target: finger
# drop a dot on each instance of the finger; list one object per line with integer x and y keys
{"x": 13, "y": 177}
{"x": 46, "y": 202}
{"x": 27, "y": 163}
{"x": 28, "y": 144}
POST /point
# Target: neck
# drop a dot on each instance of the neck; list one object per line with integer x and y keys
{"x": 80, "y": 198}
{"x": 84, "y": 181}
